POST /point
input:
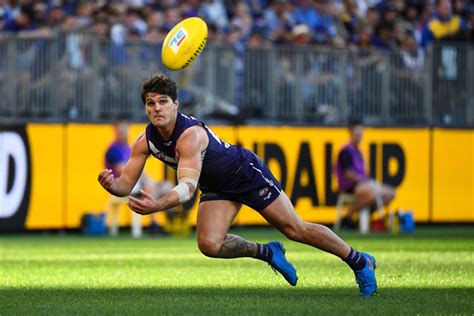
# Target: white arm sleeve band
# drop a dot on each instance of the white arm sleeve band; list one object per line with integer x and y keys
{"x": 183, "y": 189}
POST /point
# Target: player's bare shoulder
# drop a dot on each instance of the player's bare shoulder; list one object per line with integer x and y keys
{"x": 193, "y": 137}
{"x": 140, "y": 146}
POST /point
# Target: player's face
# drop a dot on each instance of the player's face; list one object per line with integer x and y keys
{"x": 121, "y": 133}
{"x": 160, "y": 108}
{"x": 356, "y": 134}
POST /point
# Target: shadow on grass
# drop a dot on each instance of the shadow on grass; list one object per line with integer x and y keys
{"x": 198, "y": 300}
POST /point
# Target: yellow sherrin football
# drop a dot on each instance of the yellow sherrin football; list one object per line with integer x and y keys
{"x": 184, "y": 43}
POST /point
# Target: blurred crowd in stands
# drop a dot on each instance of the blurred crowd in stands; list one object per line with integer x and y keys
{"x": 383, "y": 24}
{"x": 77, "y": 72}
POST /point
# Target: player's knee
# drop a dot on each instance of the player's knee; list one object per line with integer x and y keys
{"x": 367, "y": 195}
{"x": 294, "y": 232}
{"x": 208, "y": 247}
{"x": 388, "y": 195}
{"x": 392, "y": 194}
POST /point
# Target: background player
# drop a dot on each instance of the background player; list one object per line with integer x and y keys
{"x": 354, "y": 180}
{"x": 116, "y": 157}
{"x": 229, "y": 176}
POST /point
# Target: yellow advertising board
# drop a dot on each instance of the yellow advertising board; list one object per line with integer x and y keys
{"x": 87, "y": 145}
{"x": 303, "y": 159}
{"x": 403, "y": 160}
{"x": 453, "y": 175}
{"x": 47, "y": 208}
{"x": 51, "y": 171}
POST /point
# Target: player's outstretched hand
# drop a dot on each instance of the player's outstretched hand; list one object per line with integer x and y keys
{"x": 106, "y": 179}
{"x": 145, "y": 206}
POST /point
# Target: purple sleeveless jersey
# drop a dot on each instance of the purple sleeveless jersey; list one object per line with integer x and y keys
{"x": 349, "y": 158}
{"x": 228, "y": 172}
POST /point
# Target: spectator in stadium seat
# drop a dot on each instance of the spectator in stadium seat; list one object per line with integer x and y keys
{"x": 242, "y": 19}
{"x": 189, "y": 8}
{"x": 389, "y": 13}
{"x": 351, "y": 18}
{"x": 24, "y": 20}
{"x": 172, "y": 17}
{"x": 461, "y": 8}
{"x": 411, "y": 15}
{"x": 324, "y": 31}
{"x": 353, "y": 178}
{"x": 228, "y": 176}
{"x": 301, "y": 34}
{"x": 306, "y": 14}
{"x": 408, "y": 66}
{"x": 471, "y": 23}
{"x": 383, "y": 38}
{"x": 55, "y": 17}
{"x": 412, "y": 56}
{"x": 85, "y": 10}
{"x": 214, "y": 11}
{"x": 372, "y": 17}
{"x": 214, "y": 35}
{"x": 2, "y": 20}
{"x": 364, "y": 35}
{"x": 444, "y": 25}
{"x": 280, "y": 21}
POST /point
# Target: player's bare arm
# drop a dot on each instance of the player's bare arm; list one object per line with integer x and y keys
{"x": 123, "y": 185}
{"x": 189, "y": 147}
{"x": 351, "y": 175}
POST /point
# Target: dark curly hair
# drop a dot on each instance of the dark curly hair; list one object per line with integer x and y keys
{"x": 354, "y": 121}
{"x": 161, "y": 84}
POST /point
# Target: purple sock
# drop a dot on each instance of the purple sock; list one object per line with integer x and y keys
{"x": 264, "y": 252}
{"x": 355, "y": 260}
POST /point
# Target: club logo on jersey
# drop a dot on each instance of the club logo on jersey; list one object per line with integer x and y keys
{"x": 269, "y": 195}
{"x": 208, "y": 195}
{"x": 161, "y": 155}
{"x": 263, "y": 191}
{"x": 178, "y": 39}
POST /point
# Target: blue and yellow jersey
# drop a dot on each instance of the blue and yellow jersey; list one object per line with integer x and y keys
{"x": 440, "y": 29}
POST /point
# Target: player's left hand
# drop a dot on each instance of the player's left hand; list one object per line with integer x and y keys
{"x": 143, "y": 207}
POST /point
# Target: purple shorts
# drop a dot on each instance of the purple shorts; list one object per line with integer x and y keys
{"x": 253, "y": 185}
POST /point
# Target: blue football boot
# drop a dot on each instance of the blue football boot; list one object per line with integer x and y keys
{"x": 366, "y": 277}
{"x": 280, "y": 264}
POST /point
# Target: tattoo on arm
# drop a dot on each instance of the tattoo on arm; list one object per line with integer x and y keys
{"x": 235, "y": 247}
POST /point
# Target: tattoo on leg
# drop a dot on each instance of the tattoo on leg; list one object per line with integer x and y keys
{"x": 235, "y": 247}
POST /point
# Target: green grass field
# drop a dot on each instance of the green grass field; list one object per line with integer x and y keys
{"x": 429, "y": 272}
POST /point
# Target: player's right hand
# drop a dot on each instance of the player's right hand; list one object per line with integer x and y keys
{"x": 106, "y": 179}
